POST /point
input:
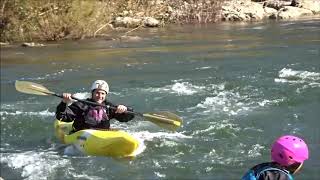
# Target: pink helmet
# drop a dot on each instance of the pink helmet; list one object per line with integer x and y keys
{"x": 287, "y": 150}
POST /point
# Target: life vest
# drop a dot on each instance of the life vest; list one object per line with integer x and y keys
{"x": 95, "y": 115}
{"x": 255, "y": 175}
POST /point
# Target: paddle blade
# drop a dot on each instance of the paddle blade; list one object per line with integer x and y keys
{"x": 32, "y": 88}
{"x": 164, "y": 119}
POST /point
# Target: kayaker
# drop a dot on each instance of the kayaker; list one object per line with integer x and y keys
{"x": 288, "y": 154}
{"x": 87, "y": 116}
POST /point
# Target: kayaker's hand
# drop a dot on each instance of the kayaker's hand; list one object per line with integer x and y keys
{"x": 121, "y": 109}
{"x": 67, "y": 98}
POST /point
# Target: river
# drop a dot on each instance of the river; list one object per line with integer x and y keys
{"x": 237, "y": 86}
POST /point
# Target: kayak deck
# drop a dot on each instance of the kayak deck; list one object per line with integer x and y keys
{"x": 114, "y": 143}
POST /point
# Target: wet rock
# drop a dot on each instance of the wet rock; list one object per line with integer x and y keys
{"x": 252, "y": 10}
{"x": 32, "y": 44}
{"x": 130, "y": 22}
{"x": 290, "y": 12}
{"x": 4, "y": 44}
{"x": 276, "y": 4}
{"x": 151, "y": 22}
{"x": 313, "y": 5}
{"x": 270, "y": 11}
{"x": 243, "y": 10}
{"x": 127, "y": 22}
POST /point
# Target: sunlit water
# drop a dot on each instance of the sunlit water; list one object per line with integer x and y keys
{"x": 237, "y": 87}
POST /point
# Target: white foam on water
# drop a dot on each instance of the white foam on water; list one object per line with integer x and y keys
{"x": 218, "y": 158}
{"x": 34, "y": 165}
{"x": 295, "y": 76}
{"x": 205, "y": 67}
{"x": 41, "y": 165}
{"x": 278, "y": 80}
{"x": 168, "y": 144}
{"x": 45, "y": 113}
{"x": 225, "y": 101}
{"x": 239, "y": 154}
{"x": 310, "y": 85}
{"x": 149, "y": 136}
{"x": 288, "y": 24}
{"x": 212, "y": 129}
{"x": 158, "y": 174}
{"x": 180, "y": 88}
{"x": 266, "y": 102}
{"x": 143, "y": 136}
{"x": 72, "y": 150}
{"x": 232, "y": 102}
{"x": 305, "y": 78}
{"x": 253, "y": 129}
{"x": 255, "y": 151}
{"x": 7, "y": 106}
{"x": 5, "y": 147}
{"x": 85, "y": 176}
{"x": 140, "y": 148}
{"x": 186, "y": 88}
{"x": 259, "y": 27}
{"x": 82, "y": 95}
{"x": 49, "y": 76}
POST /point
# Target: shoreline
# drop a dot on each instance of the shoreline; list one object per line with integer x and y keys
{"x": 55, "y": 27}
{"x": 119, "y": 36}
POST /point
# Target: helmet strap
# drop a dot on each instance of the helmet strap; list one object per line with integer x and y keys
{"x": 295, "y": 167}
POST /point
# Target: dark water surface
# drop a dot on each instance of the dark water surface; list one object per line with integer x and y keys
{"x": 237, "y": 87}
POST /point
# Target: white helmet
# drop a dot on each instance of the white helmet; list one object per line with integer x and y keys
{"x": 100, "y": 84}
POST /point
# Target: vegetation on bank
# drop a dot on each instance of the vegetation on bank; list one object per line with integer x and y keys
{"x": 50, "y": 20}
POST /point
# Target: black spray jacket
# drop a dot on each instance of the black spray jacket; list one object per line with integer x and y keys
{"x": 87, "y": 116}
{"x": 267, "y": 171}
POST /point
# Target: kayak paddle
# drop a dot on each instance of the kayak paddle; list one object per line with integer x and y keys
{"x": 164, "y": 119}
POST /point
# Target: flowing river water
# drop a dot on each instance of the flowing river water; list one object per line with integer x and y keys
{"x": 237, "y": 86}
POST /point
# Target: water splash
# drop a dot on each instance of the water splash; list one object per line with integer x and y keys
{"x": 34, "y": 165}
{"x": 179, "y": 88}
{"x": 255, "y": 151}
{"x": 295, "y": 76}
{"x": 149, "y": 136}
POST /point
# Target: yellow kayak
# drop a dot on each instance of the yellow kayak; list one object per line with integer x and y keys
{"x": 113, "y": 143}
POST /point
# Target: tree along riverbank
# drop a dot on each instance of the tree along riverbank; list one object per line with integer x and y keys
{"x": 33, "y": 20}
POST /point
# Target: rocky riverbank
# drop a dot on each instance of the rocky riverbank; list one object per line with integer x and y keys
{"x": 32, "y": 20}
{"x": 255, "y": 10}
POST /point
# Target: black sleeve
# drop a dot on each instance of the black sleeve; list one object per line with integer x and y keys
{"x": 66, "y": 113}
{"x": 123, "y": 117}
